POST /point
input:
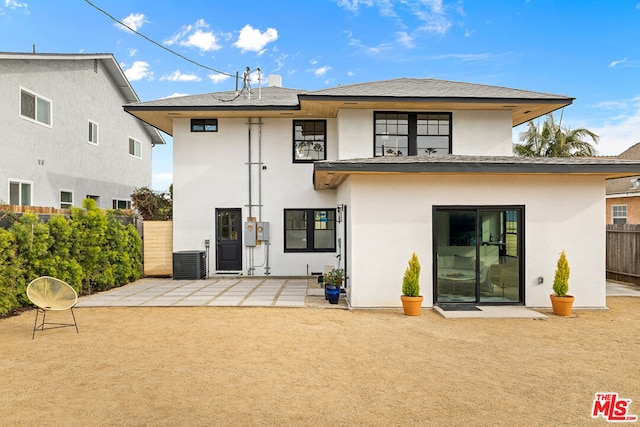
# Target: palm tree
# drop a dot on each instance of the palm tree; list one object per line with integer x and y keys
{"x": 553, "y": 140}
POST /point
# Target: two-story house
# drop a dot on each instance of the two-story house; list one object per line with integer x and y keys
{"x": 623, "y": 194}
{"x": 64, "y": 134}
{"x": 285, "y": 182}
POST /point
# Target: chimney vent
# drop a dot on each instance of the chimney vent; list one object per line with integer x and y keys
{"x": 275, "y": 80}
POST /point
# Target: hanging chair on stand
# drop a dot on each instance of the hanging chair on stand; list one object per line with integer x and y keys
{"x": 51, "y": 294}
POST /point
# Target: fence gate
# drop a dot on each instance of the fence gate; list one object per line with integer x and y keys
{"x": 157, "y": 247}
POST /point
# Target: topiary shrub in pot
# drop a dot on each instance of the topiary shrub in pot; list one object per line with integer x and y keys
{"x": 561, "y": 302}
{"x": 411, "y": 298}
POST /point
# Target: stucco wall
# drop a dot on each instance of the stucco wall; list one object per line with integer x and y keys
{"x": 391, "y": 216}
{"x": 60, "y": 157}
{"x": 633, "y": 208}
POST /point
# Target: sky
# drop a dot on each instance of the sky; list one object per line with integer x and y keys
{"x": 585, "y": 49}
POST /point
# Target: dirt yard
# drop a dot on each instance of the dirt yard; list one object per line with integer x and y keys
{"x": 313, "y": 366}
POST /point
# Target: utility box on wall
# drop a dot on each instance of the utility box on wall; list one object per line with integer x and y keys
{"x": 250, "y": 233}
{"x": 263, "y": 231}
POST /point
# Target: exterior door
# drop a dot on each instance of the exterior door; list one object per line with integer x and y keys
{"x": 478, "y": 255}
{"x": 228, "y": 240}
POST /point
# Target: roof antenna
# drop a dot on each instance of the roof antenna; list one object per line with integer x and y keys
{"x": 259, "y": 84}
{"x": 34, "y": 48}
{"x": 246, "y": 83}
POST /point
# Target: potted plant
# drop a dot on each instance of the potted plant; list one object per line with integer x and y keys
{"x": 411, "y": 298}
{"x": 560, "y": 301}
{"x": 332, "y": 281}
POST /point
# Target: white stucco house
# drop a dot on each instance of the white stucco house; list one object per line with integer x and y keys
{"x": 64, "y": 134}
{"x": 286, "y": 182}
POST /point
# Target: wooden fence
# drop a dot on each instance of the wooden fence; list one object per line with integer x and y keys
{"x": 623, "y": 250}
{"x": 157, "y": 247}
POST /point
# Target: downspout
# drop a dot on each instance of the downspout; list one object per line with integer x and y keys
{"x": 249, "y": 166}
{"x": 267, "y": 243}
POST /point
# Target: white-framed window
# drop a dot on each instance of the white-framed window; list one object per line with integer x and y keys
{"x": 93, "y": 133}
{"x": 121, "y": 204}
{"x": 619, "y": 214}
{"x": 35, "y": 107}
{"x": 20, "y": 192}
{"x": 66, "y": 199}
{"x": 135, "y": 148}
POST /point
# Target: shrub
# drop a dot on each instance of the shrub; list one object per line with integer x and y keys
{"x": 561, "y": 279}
{"x": 411, "y": 280}
{"x": 8, "y": 273}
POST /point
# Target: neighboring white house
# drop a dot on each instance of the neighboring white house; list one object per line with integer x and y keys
{"x": 64, "y": 134}
{"x": 287, "y": 182}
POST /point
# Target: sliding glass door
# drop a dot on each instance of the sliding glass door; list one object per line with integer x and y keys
{"x": 478, "y": 255}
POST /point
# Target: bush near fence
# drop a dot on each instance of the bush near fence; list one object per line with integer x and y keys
{"x": 91, "y": 249}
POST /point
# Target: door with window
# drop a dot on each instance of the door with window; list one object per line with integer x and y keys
{"x": 228, "y": 240}
{"x": 478, "y": 255}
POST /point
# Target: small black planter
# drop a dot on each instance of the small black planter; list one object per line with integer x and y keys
{"x": 333, "y": 294}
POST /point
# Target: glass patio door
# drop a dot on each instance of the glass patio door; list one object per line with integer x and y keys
{"x": 477, "y": 255}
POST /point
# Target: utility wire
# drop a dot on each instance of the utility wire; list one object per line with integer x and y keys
{"x": 158, "y": 44}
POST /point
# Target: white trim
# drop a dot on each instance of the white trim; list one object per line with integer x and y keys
{"x": 621, "y": 195}
{"x": 36, "y": 95}
{"x": 19, "y": 181}
{"x": 60, "y": 197}
{"x": 129, "y": 148}
{"x": 97, "y": 135}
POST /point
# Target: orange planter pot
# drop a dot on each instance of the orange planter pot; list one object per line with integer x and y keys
{"x": 562, "y": 305}
{"x": 411, "y": 305}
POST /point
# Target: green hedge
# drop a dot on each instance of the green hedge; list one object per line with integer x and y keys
{"x": 91, "y": 250}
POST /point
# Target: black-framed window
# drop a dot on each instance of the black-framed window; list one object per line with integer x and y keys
{"x": 309, "y": 140}
{"x": 204, "y": 125}
{"x": 309, "y": 230}
{"x": 411, "y": 134}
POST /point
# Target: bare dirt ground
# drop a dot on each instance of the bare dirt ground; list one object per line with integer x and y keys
{"x": 310, "y": 366}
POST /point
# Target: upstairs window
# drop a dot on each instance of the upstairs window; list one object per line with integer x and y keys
{"x": 204, "y": 125}
{"x": 619, "y": 214}
{"x": 35, "y": 107}
{"x": 412, "y": 134}
{"x": 93, "y": 133}
{"x": 309, "y": 140}
{"x": 135, "y": 148}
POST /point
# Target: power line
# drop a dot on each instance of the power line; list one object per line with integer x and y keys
{"x": 158, "y": 44}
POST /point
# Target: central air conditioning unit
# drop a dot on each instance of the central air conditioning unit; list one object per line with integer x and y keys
{"x": 189, "y": 265}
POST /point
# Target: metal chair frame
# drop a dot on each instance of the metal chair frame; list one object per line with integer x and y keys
{"x": 40, "y": 307}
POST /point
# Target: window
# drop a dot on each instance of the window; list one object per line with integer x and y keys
{"x": 309, "y": 140}
{"x": 93, "y": 133}
{"x": 135, "y": 148}
{"x": 19, "y": 193}
{"x": 411, "y": 134}
{"x": 310, "y": 230}
{"x": 34, "y": 107}
{"x": 121, "y": 204}
{"x": 204, "y": 125}
{"x": 619, "y": 214}
{"x": 66, "y": 199}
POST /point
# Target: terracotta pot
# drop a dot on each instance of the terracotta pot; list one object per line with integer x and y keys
{"x": 411, "y": 305}
{"x": 562, "y": 305}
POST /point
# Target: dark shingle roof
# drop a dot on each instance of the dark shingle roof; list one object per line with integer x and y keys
{"x": 431, "y": 88}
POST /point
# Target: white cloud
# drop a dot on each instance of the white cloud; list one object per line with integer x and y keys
{"x": 175, "y": 95}
{"x": 134, "y": 21}
{"x": 621, "y": 130}
{"x": 404, "y": 39}
{"x": 162, "y": 181}
{"x": 614, "y": 63}
{"x": 177, "y": 76}
{"x": 14, "y": 4}
{"x": 354, "y": 5}
{"x": 467, "y": 57}
{"x": 138, "y": 71}
{"x": 252, "y": 40}
{"x": 132, "y": 52}
{"x": 218, "y": 78}
{"x": 196, "y": 35}
{"x": 322, "y": 70}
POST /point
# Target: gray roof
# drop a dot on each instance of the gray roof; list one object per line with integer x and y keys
{"x": 258, "y": 98}
{"x": 112, "y": 67}
{"x": 430, "y": 89}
